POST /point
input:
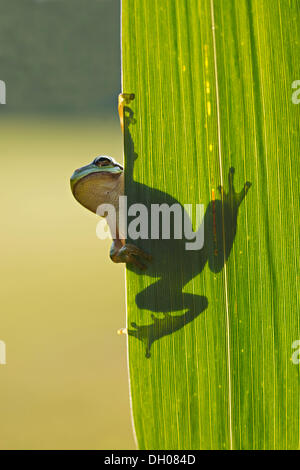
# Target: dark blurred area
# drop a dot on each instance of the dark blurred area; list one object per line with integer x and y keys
{"x": 60, "y": 56}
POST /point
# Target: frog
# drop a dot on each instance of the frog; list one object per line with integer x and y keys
{"x": 166, "y": 260}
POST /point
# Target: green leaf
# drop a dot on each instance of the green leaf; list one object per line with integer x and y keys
{"x": 211, "y": 357}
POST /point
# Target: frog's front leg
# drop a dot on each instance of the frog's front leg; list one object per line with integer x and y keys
{"x": 221, "y": 223}
{"x": 233, "y": 199}
{"x": 129, "y": 254}
{"x": 166, "y": 323}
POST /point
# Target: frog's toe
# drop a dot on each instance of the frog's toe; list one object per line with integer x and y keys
{"x": 242, "y": 194}
{"x": 246, "y": 188}
{"x": 239, "y": 196}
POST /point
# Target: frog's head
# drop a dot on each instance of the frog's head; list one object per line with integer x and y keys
{"x": 93, "y": 184}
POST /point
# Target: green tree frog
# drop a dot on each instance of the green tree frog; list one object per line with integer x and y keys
{"x": 102, "y": 182}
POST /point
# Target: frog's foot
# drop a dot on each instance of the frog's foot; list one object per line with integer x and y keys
{"x": 232, "y": 198}
{"x": 130, "y": 254}
{"x": 123, "y": 100}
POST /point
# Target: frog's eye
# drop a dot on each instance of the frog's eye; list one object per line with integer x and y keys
{"x": 102, "y": 161}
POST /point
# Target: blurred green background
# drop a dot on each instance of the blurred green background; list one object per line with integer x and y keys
{"x": 62, "y": 300}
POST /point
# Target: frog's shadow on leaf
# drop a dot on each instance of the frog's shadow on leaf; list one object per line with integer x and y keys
{"x": 172, "y": 263}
